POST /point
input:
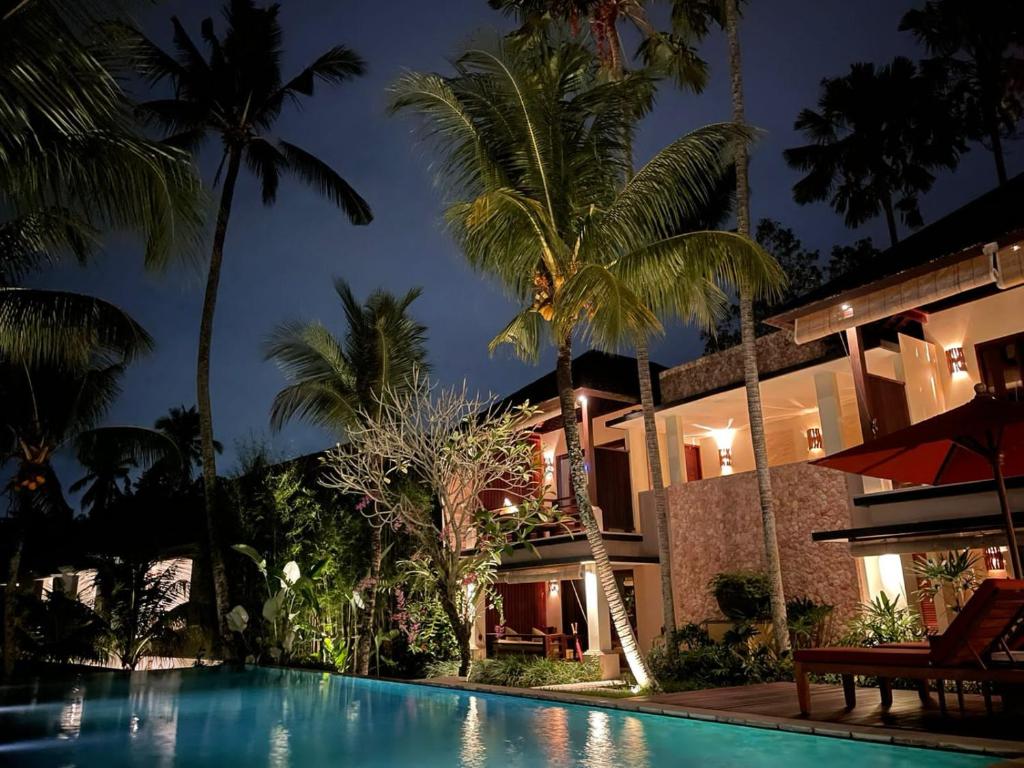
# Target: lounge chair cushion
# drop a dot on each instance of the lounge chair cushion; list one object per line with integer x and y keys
{"x": 895, "y": 657}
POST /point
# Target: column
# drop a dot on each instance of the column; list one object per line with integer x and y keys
{"x": 855, "y": 341}
{"x": 830, "y": 411}
{"x": 478, "y": 639}
{"x": 673, "y": 441}
{"x": 599, "y": 620}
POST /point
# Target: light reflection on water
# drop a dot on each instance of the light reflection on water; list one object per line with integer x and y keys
{"x": 291, "y": 719}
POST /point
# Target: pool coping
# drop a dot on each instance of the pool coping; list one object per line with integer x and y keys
{"x": 1005, "y": 750}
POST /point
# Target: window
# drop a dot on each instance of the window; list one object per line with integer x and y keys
{"x": 1001, "y": 364}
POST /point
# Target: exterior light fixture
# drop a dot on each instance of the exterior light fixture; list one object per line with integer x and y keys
{"x": 956, "y": 360}
{"x": 814, "y": 440}
{"x": 553, "y": 588}
{"x": 508, "y": 507}
{"x": 725, "y": 460}
{"x": 549, "y": 464}
{"x": 582, "y": 399}
{"x": 846, "y": 310}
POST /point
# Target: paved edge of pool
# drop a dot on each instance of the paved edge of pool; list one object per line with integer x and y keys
{"x": 1003, "y": 749}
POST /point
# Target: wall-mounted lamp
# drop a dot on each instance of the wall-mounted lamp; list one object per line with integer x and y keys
{"x": 582, "y": 399}
{"x": 549, "y": 464}
{"x": 956, "y": 360}
{"x": 553, "y": 588}
{"x": 814, "y": 440}
{"x": 846, "y": 311}
{"x": 725, "y": 460}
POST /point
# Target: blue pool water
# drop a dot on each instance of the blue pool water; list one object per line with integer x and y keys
{"x": 287, "y": 718}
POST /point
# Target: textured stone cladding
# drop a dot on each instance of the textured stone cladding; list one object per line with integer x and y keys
{"x": 715, "y": 526}
{"x": 775, "y": 352}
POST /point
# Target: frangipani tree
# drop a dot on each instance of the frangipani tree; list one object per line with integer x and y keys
{"x": 534, "y": 150}
{"x": 424, "y": 462}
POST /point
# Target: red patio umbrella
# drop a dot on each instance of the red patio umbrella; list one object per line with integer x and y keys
{"x": 980, "y": 440}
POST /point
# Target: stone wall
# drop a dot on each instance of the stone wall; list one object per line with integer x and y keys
{"x": 775, "y": 352}
{"x": 715, "y": 526}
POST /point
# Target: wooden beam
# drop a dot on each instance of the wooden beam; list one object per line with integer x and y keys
{"x": 855, "y": 342}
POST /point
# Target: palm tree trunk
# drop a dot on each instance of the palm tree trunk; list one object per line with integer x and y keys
{"x": 363, "y": 660}
{"x": 209, "y": 456}
{"x": 748, "y": 338}
{"x": 578, "y": 477}
{"x": 668, "y": 608}
{"x": 10, "y": 600}
{"x": 997, "y": 147}
{"x": 890, "y": 220}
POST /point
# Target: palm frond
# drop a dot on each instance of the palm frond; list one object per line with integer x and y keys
{"x": 138, "y": 445}
{"x": 38, "y": 238}
{"x": 317, "y": 174}
{"x": 57, "y": 327}
{"x": 524, "y": 334}
{"x": 596, "y": 299}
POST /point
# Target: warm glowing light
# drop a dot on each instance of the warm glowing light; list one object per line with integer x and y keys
{"x": 508, "y": 507}
{"x": 725, "y": 459}
{"x": 549, "y": 463}
{"x": 582, "y": 399}
{"x": 846, "y": 310}
{"x": 956, "y": 360}
{"x": 815, "y": 442}
{"x": 723, "y": 438}
{"x": 553, "y": 588}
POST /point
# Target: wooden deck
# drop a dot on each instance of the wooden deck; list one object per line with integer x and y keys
{"x": 827, "y": 706}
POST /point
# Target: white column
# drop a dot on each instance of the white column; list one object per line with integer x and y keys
{"x": 599, "y": 628}
{"x": 830, "y": 411}
{"x": 674, "y": 446}
{"x": 478, "y": 639}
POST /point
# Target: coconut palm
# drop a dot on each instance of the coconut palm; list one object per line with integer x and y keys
{"x": 534, "y": 142}
{"x": 874, "y": 143}
{"x": 662, "y": 53}
{"x": 110, "y": 455}
{"x": 333, "y": 380}
{"x": 235, "y": 92}
{"x": 665, "y": 52}
{"x": 978, "y": 49}
{"x": 41, "y": 411}
{"x": 181, "y": 426}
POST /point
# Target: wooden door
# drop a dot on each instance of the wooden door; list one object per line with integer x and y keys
{"x": 614, "y": 492}
{"x": 1002, "y": 366}
{"x": 889, "y": 403}
{"x": 694, "y": 470}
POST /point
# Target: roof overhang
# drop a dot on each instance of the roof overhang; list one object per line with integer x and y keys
{"x": 998, "y": 263}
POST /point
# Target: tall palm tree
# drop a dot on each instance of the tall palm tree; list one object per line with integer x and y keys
{"x": 978, "y": 48}
{"x": 663, "y": 54}
{"x": 236, "y": 92}
{"x": 534, "y": 143}
{"x": 874, "y": 143}
{"x": 333, "y": 380}
{"x": 181, "y": 426}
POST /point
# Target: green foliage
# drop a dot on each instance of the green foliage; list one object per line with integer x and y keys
{"x": 954, "y": 571}
{"x": 699, "y": 662}
{"x": 810, "y": 623}
{"x": 60, "y": 629}
{"x": 883, "y": 621}
{"x": 517, "y": 671}
{"x": 742, "y": 595}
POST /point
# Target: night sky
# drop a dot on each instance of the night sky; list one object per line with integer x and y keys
{"x": 280, "y": 261}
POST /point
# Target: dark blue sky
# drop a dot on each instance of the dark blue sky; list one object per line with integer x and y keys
{"x": 280, "y": 261}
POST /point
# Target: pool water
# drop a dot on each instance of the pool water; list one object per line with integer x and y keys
{"x": 289, "y": 718}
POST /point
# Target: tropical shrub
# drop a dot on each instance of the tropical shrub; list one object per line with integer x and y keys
{"x": 60, "y": 629}
{"x": 696, "y": 661}
{"x": 954, "y": 570}
{"x": 742, "y": 595}
{"x": 810, "y": 623}
{"x": 883, "y": 621}
{"x": 518, "y": 671}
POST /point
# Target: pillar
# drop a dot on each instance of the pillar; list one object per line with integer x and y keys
{"x": 830, "y": 411}
{"x": 674, "y": 450}
{"x": 599, "y": 624}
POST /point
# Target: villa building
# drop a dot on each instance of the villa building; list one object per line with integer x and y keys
{"x": 901, "y": 340}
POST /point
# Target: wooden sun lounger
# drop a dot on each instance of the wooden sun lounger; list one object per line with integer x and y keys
{"x": 982, "y": 644}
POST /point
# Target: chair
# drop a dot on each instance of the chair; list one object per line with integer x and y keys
{"x": 982, "y": 644}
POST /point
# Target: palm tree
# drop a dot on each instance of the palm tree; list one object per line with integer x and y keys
{"x": 333, "y": 380}
{"x": 662, "y": 53}
{"x": 43, "y": 409}
{"x": 181, "y": 426}
{"x": 110, "y": 455}
{"x": 978, "y": 48}
{"x": 237, "y": 93}
{"x": 874, "y": 142}
{"x": 549, "y": 213}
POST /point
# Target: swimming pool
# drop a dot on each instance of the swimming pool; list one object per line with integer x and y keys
{"x": 295, "y": 719}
